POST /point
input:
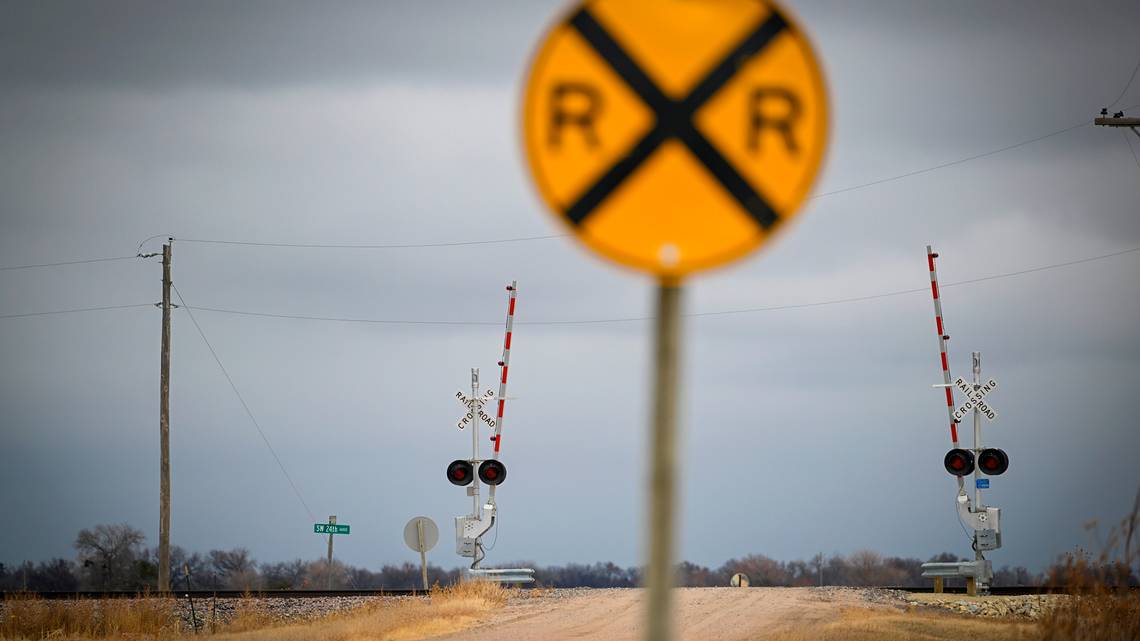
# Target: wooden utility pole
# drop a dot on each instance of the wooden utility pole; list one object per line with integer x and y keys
{"x": 164, "y": 430}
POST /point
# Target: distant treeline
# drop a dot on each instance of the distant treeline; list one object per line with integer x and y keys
{"x": 114, "y": 557}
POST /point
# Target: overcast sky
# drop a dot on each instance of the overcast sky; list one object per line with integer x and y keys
{"x": 804, "y": 430}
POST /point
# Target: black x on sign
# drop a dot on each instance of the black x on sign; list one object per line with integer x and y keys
{"x": 674, "y": 135}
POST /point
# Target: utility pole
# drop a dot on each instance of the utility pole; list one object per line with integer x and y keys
{"x": 164, "y": 430}
{"x": 332, "y": 521}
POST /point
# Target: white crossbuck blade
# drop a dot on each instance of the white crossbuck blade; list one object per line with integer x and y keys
{"x": 475, "y": 407}
{"x": 975, "y": 399}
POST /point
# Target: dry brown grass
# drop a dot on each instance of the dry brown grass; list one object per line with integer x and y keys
{"x": 449, "y": 610}
{"x": 1101, "y": 608}
{"x": 892, "y": 625}
{"x": 34, "y": 618}
{"x": 146, "y": 619}
{"x": 1098, "y": 610}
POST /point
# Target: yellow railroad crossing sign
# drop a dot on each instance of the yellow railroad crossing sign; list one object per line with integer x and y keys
{"x": 674, "y": 135}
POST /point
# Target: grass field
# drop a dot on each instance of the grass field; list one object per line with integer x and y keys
{"x": 781, "y": 614}
{"x": 448, "y": 610}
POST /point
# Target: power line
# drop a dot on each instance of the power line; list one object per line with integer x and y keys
{"x": 833, "y": 192}
{"x": 67, "y": 262}
{"x": 951, "y": 163}
{"x": 493, "y": 241}
{"x": 1126, "y": 86}
{"x": 73, "y": 311}
{"x": 243, "y": 403}
{"x": 1128, "y": 141}
{"x": 391, "y": 246}
{"x": 751, "y": 310}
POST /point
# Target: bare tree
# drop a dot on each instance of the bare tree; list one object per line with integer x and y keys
{"x": 108, "y": 555}
{"x": 235, "y": 568}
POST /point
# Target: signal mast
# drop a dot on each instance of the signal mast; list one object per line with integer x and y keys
{"x": 470, "y": 529}
{"x": 983, "y": 520}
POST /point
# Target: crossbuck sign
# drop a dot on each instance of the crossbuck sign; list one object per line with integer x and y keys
{"x": 975, "y": 399}
{"x": 475, "y": 407}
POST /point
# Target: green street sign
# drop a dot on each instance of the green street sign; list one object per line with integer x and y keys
{"x": 330, "y": 528}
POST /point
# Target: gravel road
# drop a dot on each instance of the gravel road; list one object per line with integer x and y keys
{"x": 724, "y": 614}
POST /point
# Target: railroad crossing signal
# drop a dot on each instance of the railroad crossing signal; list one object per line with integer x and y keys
{"x": 975, "y": 397}
{"x": 993, "y": 461}
{"x": 461, "y": 473}
{"x": 492, "y": 472}
{"x": 673, "y": 136}
{"x": 959, "y": 462}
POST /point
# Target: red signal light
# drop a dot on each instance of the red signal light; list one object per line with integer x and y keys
{"x": 959, "y": 462}
{"x": 492, "y": 472}
{"x": 460, "y": 472}
{"x": 993, "y": 461}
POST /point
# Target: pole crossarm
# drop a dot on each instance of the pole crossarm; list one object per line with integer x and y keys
{"x": 1105, "y": 121}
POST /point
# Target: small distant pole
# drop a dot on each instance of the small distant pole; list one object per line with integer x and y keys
{"x": 332, "y": 521}
{"x": 820, "y": 566}
{"x": 164, "y": 429}
{"x": 190, "y": 597}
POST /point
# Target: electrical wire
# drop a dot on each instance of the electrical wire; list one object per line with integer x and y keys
{"x": 146, "y": 240}
{"x": 751, "y": 310}
{"x": 68, "y": 262}
{"x": 244, "y": 405}
{"x": 495, "y": 542}
{"x": 950, "y": 163}
{"x": 833, "y": 192}
{"x": 391, "y": 246}
{"x": 1126, "y": 86}
{"x": 1128, "y": 141}
{"x": 73, "y": 311}
{"x": 548, "y": 237}
{"x": 958, "y": 518}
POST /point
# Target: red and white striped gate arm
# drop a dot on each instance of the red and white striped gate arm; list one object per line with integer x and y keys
{"x": 940, "y": 326}
{"x": 504, "y": 364}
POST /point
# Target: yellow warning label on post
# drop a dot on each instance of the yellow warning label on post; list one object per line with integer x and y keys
{"x": 672, "y": 135}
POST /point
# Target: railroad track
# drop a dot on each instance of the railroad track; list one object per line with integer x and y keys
{"x": 316, "y": 594}
{"x": 207, "y": 594}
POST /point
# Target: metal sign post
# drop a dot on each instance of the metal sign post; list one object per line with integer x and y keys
{"x": 331, "y": 528}
{"x": 332, "y": 521}
{"x": 473, "y": 491}
{"x": 423, "y": 551}
{"x": 672, "y": 137}
{"x": 976, "y": 358}
{"x": 421, "y": 535}
{"x": 663, "y": 460}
